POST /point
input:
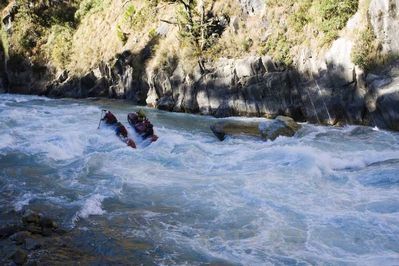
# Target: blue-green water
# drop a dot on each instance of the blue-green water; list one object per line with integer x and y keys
{"x": 325, "y": 196}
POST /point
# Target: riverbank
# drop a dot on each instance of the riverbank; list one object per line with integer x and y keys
{"x": 258, "y": 92}
{"x": 249, "y": 62}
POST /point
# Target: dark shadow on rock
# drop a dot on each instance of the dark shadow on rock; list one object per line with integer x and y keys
{"x": 253, "y": 86}
{"x": 122, "y": 78}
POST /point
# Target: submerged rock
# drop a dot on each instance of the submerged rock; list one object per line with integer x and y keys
{"x": 9, "y": 230}
{"x": 37, "y": 224}
{"x": 19, "y": 257}
{"x": 267, "y": 130}
{"x": 33, "y": 218}
{"x": 20, "y": 237}
{"x": 32, "y": 244}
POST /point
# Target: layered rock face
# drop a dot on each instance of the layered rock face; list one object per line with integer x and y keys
{"x": 382, "y": 98}
{"x": 324, "y": 88}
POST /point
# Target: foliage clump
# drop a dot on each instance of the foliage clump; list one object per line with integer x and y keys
{"x": 295, "y": 22}
{"x": 334, "y": 16}
{"x": 199, "y": 28}
{"x": 365, "y": 52}
{"x": 42, "y": 30}
{"x": 87, "y": 7}
{"x": 59, "y": 45}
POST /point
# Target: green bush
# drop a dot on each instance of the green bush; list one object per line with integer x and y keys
{"x": 59, "y": 45}
{"x": 334, "y": 16}
{"x": 43, "y": 32}
{"x": 27, "y": 32}
{"x": 279, "y": 47}
{"x": 247, "y": 44}
{"x": 301, "y": 17}
{"x": 87, "y": 7}
{"x": 121, "y": 35}
{"x": 129, "y": 13}
{"x": 152, "y": 33}
{"x": 365, "y": 51}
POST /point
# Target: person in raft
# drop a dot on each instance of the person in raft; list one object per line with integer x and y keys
{"x": 142, "y": 125}
{"x": 109, "y": 118}
{"x": 120, "y": 129}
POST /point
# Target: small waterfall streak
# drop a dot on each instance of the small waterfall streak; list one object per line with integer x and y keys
{"x": 314, "y": 107}
{"x": 324, "y": 103}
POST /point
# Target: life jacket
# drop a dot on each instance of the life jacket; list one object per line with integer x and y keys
{"x": 120, "y": 130}
{"x": 139, "y": 127}
{"x": 132, "y": 118}
{"x": 110, "y": 118}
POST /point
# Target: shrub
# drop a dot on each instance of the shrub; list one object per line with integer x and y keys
{"x": 129, "y": 13}
{"x": 59, "y": 45}
{"x": 365, "y": 51}
{"x": 279, "y": 47}
{"x": 300, "y": 17}
{"x": 334, "y": 16}
{"x": 152, "y": 33}
{"x": 27, "y": 32}
{"x": 247, "y": 43}
{"x": 88, "y": 6}
{"x": 121, "y": 35}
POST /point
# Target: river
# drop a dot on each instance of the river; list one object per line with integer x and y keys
{"x": 326, "y": 196}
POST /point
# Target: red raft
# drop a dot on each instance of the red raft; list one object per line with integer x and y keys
{"x": 120, "y": 130}
{"x": 142, "y": 125}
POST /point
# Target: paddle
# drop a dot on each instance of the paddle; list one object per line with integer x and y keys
{"x": 101, "y": 119}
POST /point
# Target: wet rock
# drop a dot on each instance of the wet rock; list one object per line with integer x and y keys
{"x": 46, "y": 231}
{"x": 223, "y": 128}
{"x": 32, "y": 244}
{"x": 37, "y": 224}
{"x": 31, "y": 263}
{"x": 9, "y": 230}
{"x": 34, "y": 229}
{"x": 20, "y": 237}
{"x": 60, "y": 231}
{"x": 267, "y": 130}
{"x": 166, "y": 103}
{"x": 281, "y": 126}
{"x": 46, "y": 222}
{"x": 31, "y": 218}
{"x": 19, "y": 257}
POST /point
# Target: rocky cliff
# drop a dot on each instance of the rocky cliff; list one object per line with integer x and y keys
{"x": 235, "y": 64}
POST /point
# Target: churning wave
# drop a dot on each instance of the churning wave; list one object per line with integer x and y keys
{"x": 327, "y": 195}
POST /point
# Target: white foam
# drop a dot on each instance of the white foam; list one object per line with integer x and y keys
{"x": 91, "y": 206}
{"x": 243, "y": 199}
{"x": 6, "y": 141}
{"x": 23, "y": 201}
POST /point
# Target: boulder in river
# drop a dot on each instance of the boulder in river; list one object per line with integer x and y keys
{"x": 19, "y": 257}
{"x": 267, "y": 130}
{"x": 223, "y": 128}
{"x": 9, "y": 230}
{"x": 37, "y": 224}
{"x": 20, "y": 237}
{"x": 281, "y": 126}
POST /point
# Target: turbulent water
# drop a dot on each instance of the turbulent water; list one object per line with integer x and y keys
{"x": 325, "y": 196}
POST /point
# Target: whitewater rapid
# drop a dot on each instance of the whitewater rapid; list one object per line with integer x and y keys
{"x": 326, "y": 196}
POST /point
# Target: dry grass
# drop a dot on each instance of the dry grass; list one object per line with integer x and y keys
{"x": 281, "y": 30}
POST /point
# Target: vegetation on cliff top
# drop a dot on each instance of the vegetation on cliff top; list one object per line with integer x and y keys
{"x": 81, "y": 33}
{"x": 294, "y": 23}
